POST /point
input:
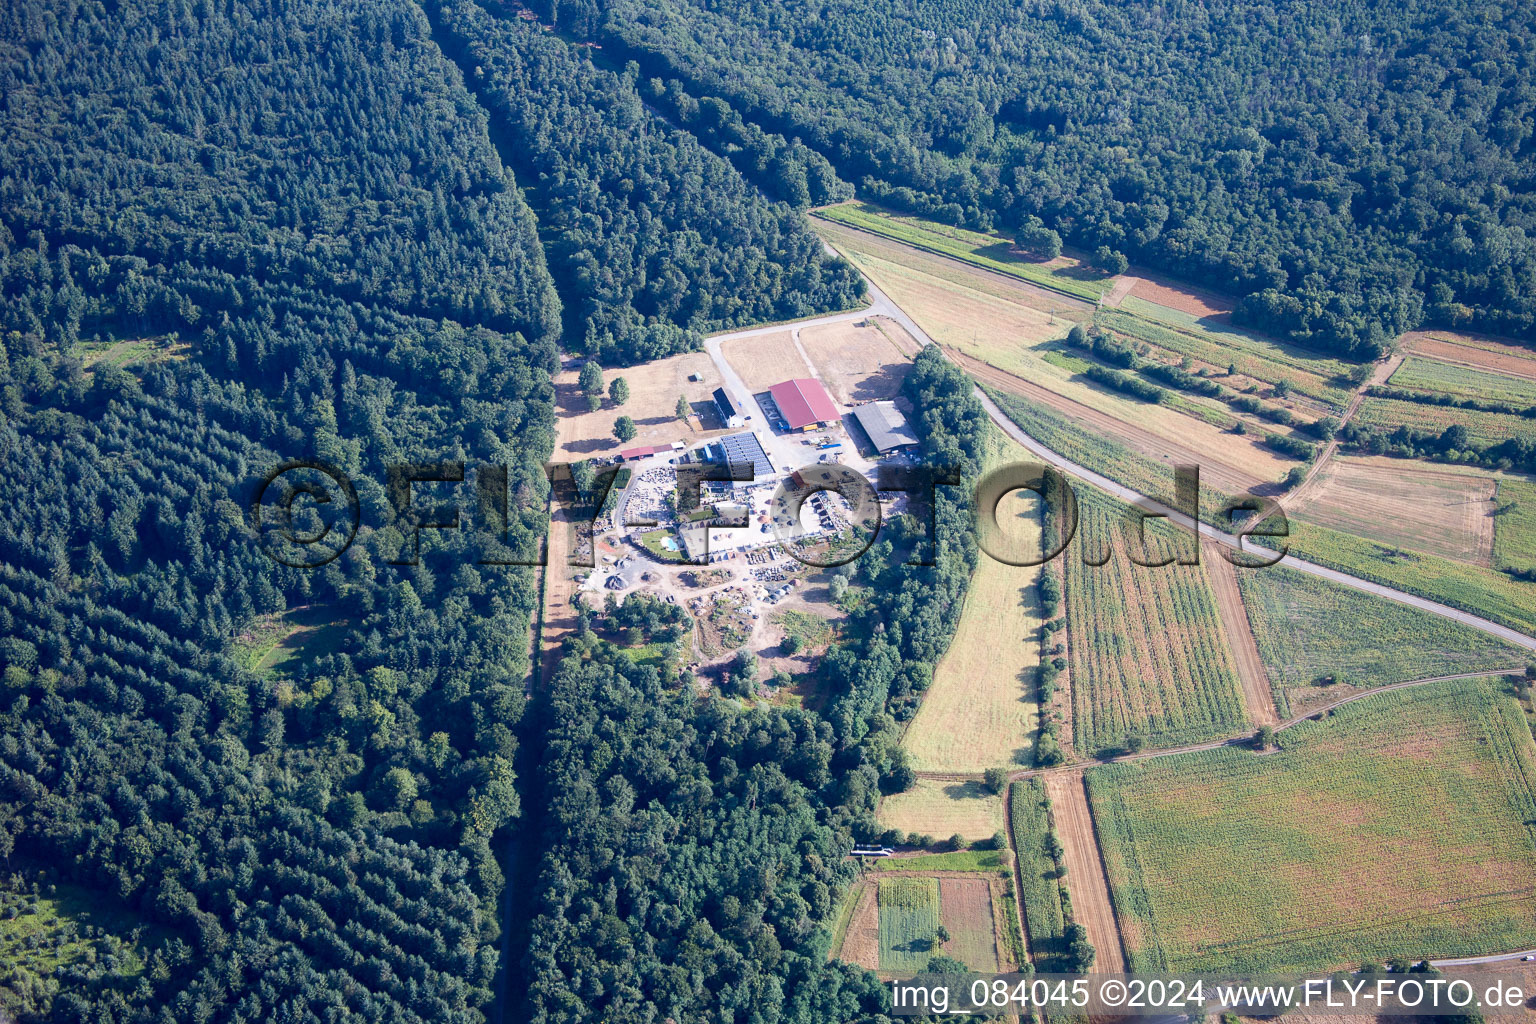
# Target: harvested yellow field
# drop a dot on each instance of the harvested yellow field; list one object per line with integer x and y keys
{"x": 943, "y": 809}
{"x": 1440, "y": 510}
{"x": 654, "y": 388}
{"x": 981, "y": 710}
{"x": 764, "y": 360}
{"x": 860, "y": 360}
{"x": 1013, "y": 328}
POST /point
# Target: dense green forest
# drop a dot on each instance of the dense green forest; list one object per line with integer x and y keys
{"x": 694, "y": 847}
{"x": 1356, "y": 169}
{"x": 653, "y": 239}
{"x": 231, "y": 234}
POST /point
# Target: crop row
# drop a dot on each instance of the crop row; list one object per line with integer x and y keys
{"x": 1147, "y": 652}
{"x": 1362, "y": 839}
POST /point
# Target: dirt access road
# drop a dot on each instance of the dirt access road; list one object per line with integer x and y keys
{"x": 1257, "y": 694}
{"x": 1086, "y": 878}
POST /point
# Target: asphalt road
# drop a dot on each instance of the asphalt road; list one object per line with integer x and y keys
{"x": 883, "y": 305}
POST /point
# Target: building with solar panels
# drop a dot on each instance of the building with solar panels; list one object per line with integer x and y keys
{"x": 738, "y": 448}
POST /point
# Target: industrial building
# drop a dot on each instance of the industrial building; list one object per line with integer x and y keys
{"x": 887, "y": 428}
{"x": 804, "y": 404}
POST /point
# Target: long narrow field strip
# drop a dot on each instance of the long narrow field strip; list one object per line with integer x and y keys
{"x": 990, "y": 252}
{"x": 1514, "y": 524}
{"x": 1474, "y": 588}
{"x": 1258, "y": 697}
{"x": 1018, "y": 331}
{"x": 1141, "y": 473}
{"x": 1435, "y": 377}
{"x": 1440, "y": 510}
{"x": 1091, "y": 905}
{"x": 1384, "y": 415}
{"x": 909, "y": 922}
{"x": 1480, "y": 353}
{"x": 861, "y": 941}
{"x": 1325, "y": 854}
{"x": 1146, "y": 651}
{"x": 981, "y": 710}
{"x": 1223, "y": 346}
{"x": 1308, "y": 629}
{"x": 1040, "y": 892}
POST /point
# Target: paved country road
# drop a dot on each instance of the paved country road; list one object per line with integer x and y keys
{"x": 882, "y": 305}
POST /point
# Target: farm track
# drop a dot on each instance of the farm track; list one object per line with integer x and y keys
{"x": 1257, "y": 693}
{"x": 1382, "y": 372}
{"x": 1231, "y": 741}
{"x": 1087, "y": 880}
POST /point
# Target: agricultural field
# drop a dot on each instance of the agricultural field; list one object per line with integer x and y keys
{"x": 1321, "y": 855}
{"x": 911, "y": 907}
{"x": 654, "y": 389}
{"x": 1474, "y": 588}
{"x": 1008, "y": 336}
{"x": 1259, "y": 361}
{"x": 1308, "y": 629}
{"x": 909, "y": 922}
{"x": 989, "y": 252}
{"x": 1435, "y": 377}
{"x": 983, "y": 861}
{"x": 982, "y": 710}
{"x": 1514, "y": 524}
{"x": 1443, "y": 510}
{"x": 1146, "y": 653}
{"x": 941, "y": 809}
{"x": 860, "y": 361}
{"x": 1044, "y": 913}
{"x": 1384, "y": 415}
{"x": 1167, "y": 296}
{"x": 1475, "y": 351}
{"x": 966, "y": 911}
{"x": 1103, "y": 455}
{"x": 764, "y": 360}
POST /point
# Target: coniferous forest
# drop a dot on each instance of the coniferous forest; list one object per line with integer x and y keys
{"x": 239, "y": 232}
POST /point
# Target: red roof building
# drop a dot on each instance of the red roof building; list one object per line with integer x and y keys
{"x": 804, "y": 403}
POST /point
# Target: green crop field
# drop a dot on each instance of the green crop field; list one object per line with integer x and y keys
{"x": 1482, "y": 591}
{"x": 1514, "y": 524}
{"x": 1146, "y": 652}
{"x": 1307, "y": 627}
{"x": 1384, "y": 415}
{"x": 909, "y": 920}
{"x": 1222, "y": 346}
{"x": 985, "y": 861}
{"x": 1101, "y": 454}
{"x": 990, "y": 252}
{"x": 1326, "y": 854}
{"x": 1044, "y": 915}
{"x": 1431, "y": 375}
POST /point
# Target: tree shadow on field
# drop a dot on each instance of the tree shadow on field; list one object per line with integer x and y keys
{"x": 971, "y": 790}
